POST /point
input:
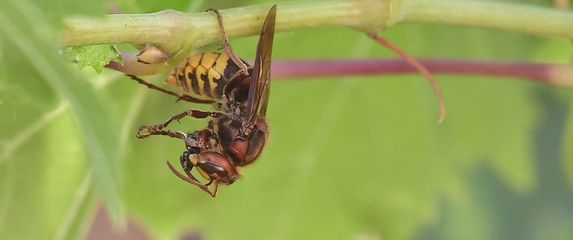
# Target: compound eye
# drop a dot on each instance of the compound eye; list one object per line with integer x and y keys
{"x": 192, "y": 140}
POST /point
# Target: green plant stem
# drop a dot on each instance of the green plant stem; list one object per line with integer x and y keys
{"x": 504, "y": 16}
{"x": 178, "y": 33}
{"x": 175, "y": 32}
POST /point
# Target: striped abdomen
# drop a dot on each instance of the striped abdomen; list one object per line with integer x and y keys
{"x": 204, "y": 76}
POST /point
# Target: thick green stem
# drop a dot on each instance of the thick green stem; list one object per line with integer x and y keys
{"x": 166, "y": 29}
{"x": 179, "y": 33}
{"x": 497, "y": 15}
{"x": 176, "y": 32}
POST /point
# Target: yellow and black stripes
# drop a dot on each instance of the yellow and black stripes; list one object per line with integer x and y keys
{"x": 204, "y": 76}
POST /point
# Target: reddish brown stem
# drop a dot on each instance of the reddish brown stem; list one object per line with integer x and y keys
{"x": 551, "y": 74}
{"x": 560, "y": 75}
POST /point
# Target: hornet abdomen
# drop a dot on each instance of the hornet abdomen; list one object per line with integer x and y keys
{"x": 204, "y": 76}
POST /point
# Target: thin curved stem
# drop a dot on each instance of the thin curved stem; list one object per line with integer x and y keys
{"x": 420, "y": 68}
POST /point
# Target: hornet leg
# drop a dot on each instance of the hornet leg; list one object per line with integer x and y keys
{"x": 227, "y": 47}
{"x": 146, "y": 131}
{"x": 180, "y": 97}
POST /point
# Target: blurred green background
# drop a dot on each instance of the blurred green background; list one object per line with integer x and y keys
{"x": 349, "y": 158}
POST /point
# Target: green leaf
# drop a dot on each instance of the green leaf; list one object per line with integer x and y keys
{"x": 361, "y": 155}
{"x": 352, "y": 158}
{"x": 45, "y": 180}
{"x": 52, "y": 183}
{"x": 97, "y": 56}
